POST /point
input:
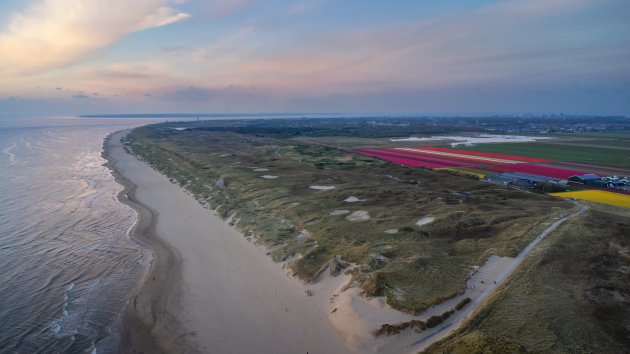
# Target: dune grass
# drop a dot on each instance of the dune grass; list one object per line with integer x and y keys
{"x": 414, "y": 269}
{"x": 571, "y": 296}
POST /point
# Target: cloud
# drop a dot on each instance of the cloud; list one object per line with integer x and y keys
{"x": 54, "y": 33}
{"x": 512, "y": 43}
{"x": 302, "y": 6}
{"x": 217, "y": 8}
{"x": 191, "y": 94}
{"x": 172, "y": 49}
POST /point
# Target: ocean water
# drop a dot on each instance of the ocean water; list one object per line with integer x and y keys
{"x": 67, "y": 264}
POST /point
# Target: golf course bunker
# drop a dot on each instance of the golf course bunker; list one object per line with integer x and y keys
{"x": 322, "y": 188}
{"x": 339, "y": 212}
{"x": 425, "y": 220}
{"x": 268, "y": 177}
{"x": 391, "y": 231}
{"x": 359, "y": 215}
{"x": 352, "y": 200}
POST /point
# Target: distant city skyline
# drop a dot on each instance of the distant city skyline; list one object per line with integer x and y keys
{"x": 400, "y": 56}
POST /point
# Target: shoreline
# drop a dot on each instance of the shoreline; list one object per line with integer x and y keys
{"x": 172, "y": 309}
{"x": 158, "y": 322}
{"x": 140, "y": 318}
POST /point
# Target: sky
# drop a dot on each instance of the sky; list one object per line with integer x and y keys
{"x": 395, "y": 56}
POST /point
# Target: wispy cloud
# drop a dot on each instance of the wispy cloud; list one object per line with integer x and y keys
{"x": 248, "y": 54}
{"x": 513, "y": 42}
{"x": 301, "y": 6}
{"x": 55, "y": 33}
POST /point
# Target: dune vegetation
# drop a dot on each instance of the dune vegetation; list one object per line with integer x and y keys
{"x": 572, "y": 295}
{"x": 416, "y": 267}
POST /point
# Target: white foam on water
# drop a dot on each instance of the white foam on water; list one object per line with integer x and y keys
{"x": 7, "y": 151}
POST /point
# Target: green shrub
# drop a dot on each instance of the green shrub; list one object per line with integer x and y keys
{"x": 462, "y": 304}
{"x": 434, "y": 321}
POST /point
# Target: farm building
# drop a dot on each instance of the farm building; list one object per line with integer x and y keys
{"x": 519, "y": 179}
{"x": 584, "y": 178}
{"x": 588, "y": 179}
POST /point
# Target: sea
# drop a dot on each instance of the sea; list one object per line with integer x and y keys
{"x": 68, "y": 266}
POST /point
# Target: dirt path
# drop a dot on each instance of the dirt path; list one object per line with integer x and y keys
{"x": 499, "y": 276}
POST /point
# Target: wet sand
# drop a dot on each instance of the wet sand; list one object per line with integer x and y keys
{"x": 209, "y": 290}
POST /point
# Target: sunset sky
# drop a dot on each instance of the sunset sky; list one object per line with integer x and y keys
{"x": 464, "y": 56}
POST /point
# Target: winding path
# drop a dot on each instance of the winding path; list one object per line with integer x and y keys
{"x": 431, "y": 336}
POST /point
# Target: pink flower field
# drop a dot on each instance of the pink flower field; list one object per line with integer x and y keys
{"x": 412, "y": 160}
{"x": 485, "y": 154}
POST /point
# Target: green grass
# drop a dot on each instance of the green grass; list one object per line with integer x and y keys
{"x": 421, "y": 266}
{"x": 558, "y": 152}
{"x": 571, "y": 296}
{"x": 603, "y": 135}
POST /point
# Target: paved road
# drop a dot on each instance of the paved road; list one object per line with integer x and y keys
{"x": 430, "y": 337}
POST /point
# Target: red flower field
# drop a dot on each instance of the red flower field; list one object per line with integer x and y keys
{"x": 485, "y": 154}
{"x": 412, "y": 160}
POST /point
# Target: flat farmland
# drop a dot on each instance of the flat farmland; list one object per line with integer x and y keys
{"x": 612, "y": 156}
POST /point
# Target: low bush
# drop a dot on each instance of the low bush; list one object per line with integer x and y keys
{"x": 462, "y": 304}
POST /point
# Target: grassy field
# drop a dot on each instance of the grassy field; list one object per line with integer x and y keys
{"x": 415, "y": 268}
{"x": 571, "y": 296}
{"x": 611, "y": 156}
{"x": 625, "y": 135}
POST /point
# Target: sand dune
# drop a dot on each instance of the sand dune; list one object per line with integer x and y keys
{"x": 224, "y": 294}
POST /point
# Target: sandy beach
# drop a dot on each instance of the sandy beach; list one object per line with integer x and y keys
{"x": 209, "y": 289}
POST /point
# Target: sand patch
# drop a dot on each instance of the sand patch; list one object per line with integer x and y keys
{"x": 322, "y": 188}
{"x": 425, "y": 220}
{"x": 268, "y": 177}
{"x": 339, "y": 212}
{"x": 290, "y": 205}
{"x": 357, "y": 317}
{"x": 359, "y": 215}
{"x": 303, "y": 236}
{"x": 313, "y": 222}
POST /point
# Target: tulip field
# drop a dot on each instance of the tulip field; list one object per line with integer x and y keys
{"x": 440, "y": 158}
{"x": 447, "y": 159}
{"x": 598, "y": 196}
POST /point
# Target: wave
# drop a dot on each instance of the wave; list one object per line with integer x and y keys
{"x": 7, "y": 151}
